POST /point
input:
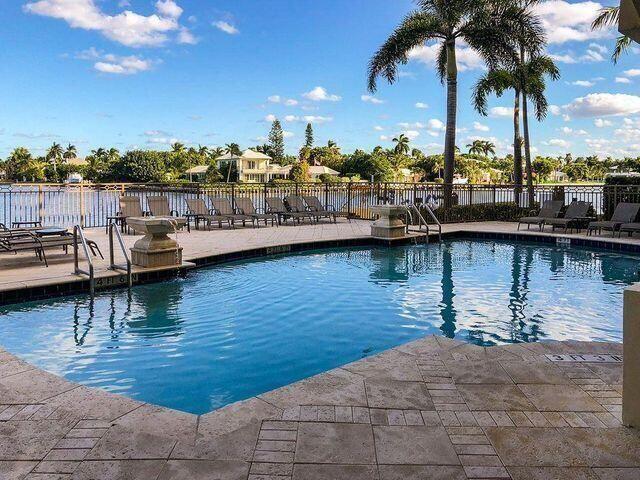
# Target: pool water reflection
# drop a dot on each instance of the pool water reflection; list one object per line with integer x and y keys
{"x": 234, "y": 331}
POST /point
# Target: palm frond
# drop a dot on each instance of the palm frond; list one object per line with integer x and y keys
{"x": 608, "y": 16}
{"x": 622, "y": 45}
{"x": 415, "y": 30}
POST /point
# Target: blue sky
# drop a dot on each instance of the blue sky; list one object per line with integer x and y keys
{"x": 144, "y": 73}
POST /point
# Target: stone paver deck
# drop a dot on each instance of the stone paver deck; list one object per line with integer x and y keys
{"x": 431, "y": 409}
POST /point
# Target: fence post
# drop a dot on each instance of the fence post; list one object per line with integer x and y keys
{"x": 40, "y": 204}
{"x": 81, "y": 206}
{"x": 471, "y": 194}
{"x": 349, "y": 200}
{"x": 326, "y": 196}
{"x": 233, "y": 195}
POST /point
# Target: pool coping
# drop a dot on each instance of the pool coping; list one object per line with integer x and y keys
{"x": 48, "y": 288}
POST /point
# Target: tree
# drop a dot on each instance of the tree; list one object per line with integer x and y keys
{"x": 526, "y": 79}
{"x": 308, "y": 136}
{"x": 610, "y": 16}
{"x": 203, "y": 150}
{"x": 402, "y": 144}
{"x": 140, "y": 166}
{"x": 54, "y": 155}
{"x": 476, "y": 148}
{"x": 276, "y": 141}
{"x": 177, "y": 147}
{"x": 299, "y": 172}
{"x": 20, "y": 166}
{"x": 70, "y": 152}
{"x": 486, "y": 26}
{"x": 488, "y": 148}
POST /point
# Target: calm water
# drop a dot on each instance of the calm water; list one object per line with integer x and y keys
{"x": 227, "y": 333}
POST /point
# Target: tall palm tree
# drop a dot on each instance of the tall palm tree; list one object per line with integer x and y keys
{"x": 487, "y": 26}
{"x": 177, "y": 147}
{"x": 54, "y": 154}
{"x": 526, "y": 79}
{"x": 70, "y": 152}
{"x": 203, "y": 150}
{"x": 402, "y": 144}
{"x": 488, "y": 148}
{"x": 610, "y": 16}
{"x": 99, "y": 152}
{"x": 113, "y": 154}
{"x": 232, "y": 149}
{"x": 216, "y": 152}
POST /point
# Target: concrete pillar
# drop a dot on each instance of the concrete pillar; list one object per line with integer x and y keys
{"x": 631, "y": 352}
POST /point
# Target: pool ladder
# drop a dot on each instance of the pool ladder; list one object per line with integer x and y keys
{"x": 78, "y": 235}
{"x": 414, "y": 212}
{"x": 112, "y": 264}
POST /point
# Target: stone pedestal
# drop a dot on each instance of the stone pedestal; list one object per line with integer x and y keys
{"x": 391, "y": 222}
{"x": 631, "y": 357}
{"x": 156, "y": 248}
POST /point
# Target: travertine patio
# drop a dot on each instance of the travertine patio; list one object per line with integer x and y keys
{"x": 432, "y": 409}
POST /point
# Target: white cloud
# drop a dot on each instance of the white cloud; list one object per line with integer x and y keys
{"x": 634, "y": 72}
{"x": 415, "y": 125}
{"x": 384, "y": 138}
{"x": 186, "y": 37}
{"x": 421, "y": 105}
{"x": 604, "y": 104}
{"x": 270, "y": 118}
{"x": 501, "y": 112}
{"x": 287, "y": 134}
{"x": 479, "y": 127}
{"x": 378, "y": 128}
{"x": 622, "y": 80}
{"x": 557, "y": 142}
{"x": 371, "y": 99}
{"x": 555, "y": 110}
{"x": 226, "y": 27}
{"x": 115, "y": 64}
{"x": 128, "y": 28}
{"x": 435, "y": 124}
{"x": 571, "y": 131}
{"x": 583, "y": 83}
{"x": 290, "y": 102}
{"x": 563, "y": 58}
{"x": 412, "y": 134}
{"x": 601, "y": 123}
{"x": 320, "y": 94}
{"x": 291, "y": 118}
{"x": 274, "y": 99}
{"x": 564, "y": 21}
{"x": 466, "y": 57}
{"x": 316, "y": 119}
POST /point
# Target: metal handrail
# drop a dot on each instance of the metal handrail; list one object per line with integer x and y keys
{"x": 79, "y": 235}
{"x": 433, "y": 217}
{"x": 123, "y": 248}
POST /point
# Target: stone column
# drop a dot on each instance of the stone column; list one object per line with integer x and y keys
{"x": 631, "y": 357}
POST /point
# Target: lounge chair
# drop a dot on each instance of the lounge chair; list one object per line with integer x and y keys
{"x": 295, "y": 204}
{"x": 625, "y": 213}
{"x": 129, "y": 207}
{"x": 14, "y": 241}
{"x": 629, "y": 228}
{"x": 199, "y": 211}
{"x": 223, "y": 208}
{"x": 574, "y": 217}
{"x": 315, "y": 206}
{"x": 276, "y": 206}
{"x": 159, "y": 207}
{"x": 550, "y": 209}
{"x": 245, "y": 206}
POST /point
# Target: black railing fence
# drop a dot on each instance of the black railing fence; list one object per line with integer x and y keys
{"x": 90, "y": 205}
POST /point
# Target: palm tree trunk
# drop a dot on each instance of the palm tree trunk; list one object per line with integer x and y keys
{"x": 517, "y": 149}
{"x": 450, "y": 135}
{"x": 525, "y": 126}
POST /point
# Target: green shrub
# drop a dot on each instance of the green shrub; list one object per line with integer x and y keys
{"x": 503, "y": 212}
{"x": 619, "y": 188}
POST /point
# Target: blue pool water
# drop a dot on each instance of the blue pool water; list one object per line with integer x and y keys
{"x": 231, "y": 332}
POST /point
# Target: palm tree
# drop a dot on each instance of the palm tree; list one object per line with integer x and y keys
{"x": 402, "y": 144}
{"x": 177, "y": 147}
{"x": 232, "y": 149}
{"x": 477, "y": 147}
{"x": 216, "y": 152}
{"x": 487, "y": 26}
{"x": 54, "y": 154}
{"x": 203, "y": 150}
{"x": 70, "y": 152}
{"x": 113, "y": 154}
{"x": 527, "y": 79}
{"x": 99, "y": 152}
{"x": 488, "y": 148}
{"x": 610, "y": 16}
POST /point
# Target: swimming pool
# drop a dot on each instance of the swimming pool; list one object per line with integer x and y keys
{"x": 230, "y": 332}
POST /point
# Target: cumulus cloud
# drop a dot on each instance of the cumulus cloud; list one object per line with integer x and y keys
{"x": 583, "y": 83}
{"x": 307, "y": 118}
{"x": 479, "y": 127}
{"x": 555, "y": 110}
{"x": 378, "y": 128}
{"x": 287, "y": 134}
{"x": 226, "y": 27}
{"x": 270, "y": 118}
{"x": 501, "y": 112}
{"x": 128, "y": 28}
{"x": 412, "y": 134}
{"x": 371, "y": 99}
{"x": 601, "y": 123}
{"x": 116, "y": 64}
{"x": 604, "y": 104}
{"x": 565, "y": 22}
{"x": 421, "y": 105}
{"x": 557, "y": 142}
{"x": 634, "y": 72}
{"x": 623, "y": 80}
{"x": 320, "y": 94}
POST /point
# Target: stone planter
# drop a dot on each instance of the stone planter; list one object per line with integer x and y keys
{"x": 391, "y": 222}
{"x": 156, "y": 248}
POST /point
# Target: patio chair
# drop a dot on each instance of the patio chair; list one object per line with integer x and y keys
{"x": 276, "y": 206}
{"x": 550, "y": 209}
{"x": 199, "y": 211}
{"x": 159, "y": 207}
{"x": 223, "y": 208}
{"x": 245, "y": 206}
{"x": 574, "y": 217}
{"x": 129, "y": 207}
{"x": 629, "y": 228}
{"x": 295, "y": 204}
{"x": 25, "y": 240}
{"x": 315, "y": 206}
{"x": 625, "y": 213}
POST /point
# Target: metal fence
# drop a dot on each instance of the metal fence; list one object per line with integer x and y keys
{"x": 90, "y": 205}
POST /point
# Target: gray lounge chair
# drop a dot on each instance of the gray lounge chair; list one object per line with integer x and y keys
{"x": 129, "y": 207}
{"x": 550, "y": 209}
{"x": 276, "y": 206}
{"x": 629, "y": 228}
{"x": 14, "y": 241}
{"x": 159, "y": 207}
{"x": 200, "y": 212}
{"x": 223, "y": 208}
{"x": 295, "y": 204}
{"x": 245, "y": 205}
{"x": 625, "y": 213}
{"x": 315, "y": 206}
{"x": 574, "y": 217}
